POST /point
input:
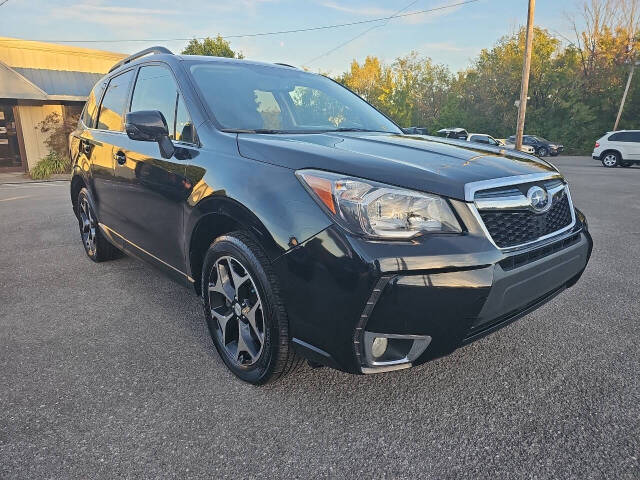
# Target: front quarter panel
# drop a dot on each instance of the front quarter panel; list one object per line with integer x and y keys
{"x": 267, "y": 200}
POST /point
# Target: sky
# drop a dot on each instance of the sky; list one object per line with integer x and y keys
{"x": 452, "y": 36}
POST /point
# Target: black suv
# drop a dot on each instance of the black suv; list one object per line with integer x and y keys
{"x": 309, "y": 223}
{"x": 542, "y": 146}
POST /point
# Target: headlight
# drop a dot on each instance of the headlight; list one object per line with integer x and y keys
{"x": 376, "y": 210}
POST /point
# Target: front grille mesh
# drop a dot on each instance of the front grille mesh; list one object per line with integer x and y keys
{"x": 509, "y": 228}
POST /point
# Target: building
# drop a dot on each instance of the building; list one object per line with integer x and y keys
{"x": 37, "y": 79}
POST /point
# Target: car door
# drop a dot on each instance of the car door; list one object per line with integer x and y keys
{"x": 633, "y": 146}
{"x": 107, "y": 132}
{"x": 153, "y": 189}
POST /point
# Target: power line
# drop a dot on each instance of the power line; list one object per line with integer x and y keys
{"x": 3, "y": 2}
{"x": 261, "y": 34}
{"x": 362, "y": 34}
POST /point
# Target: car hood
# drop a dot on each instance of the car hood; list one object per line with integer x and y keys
{"x": 429, "y": 164}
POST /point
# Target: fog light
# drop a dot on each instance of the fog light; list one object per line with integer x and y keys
{"x": 379, "y": 346}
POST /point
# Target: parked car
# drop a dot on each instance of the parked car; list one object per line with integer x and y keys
{"x": 416, "y": 131}
{"x": 460, "y": 133}
{"x": 349, "y": 244}
{"x": 524, "y": 148}
{"x": 621, "y": 147}
{"x": 542, "y": 147}
{"x": 489, "y": 140}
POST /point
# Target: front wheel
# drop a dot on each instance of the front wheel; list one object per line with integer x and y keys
{"x": 244, "y": 311}
{"x": 543, "y": 152}
{"x": 610, "y": 160}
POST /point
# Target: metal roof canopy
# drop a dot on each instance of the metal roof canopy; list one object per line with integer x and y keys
{"x": 57, "y": 84}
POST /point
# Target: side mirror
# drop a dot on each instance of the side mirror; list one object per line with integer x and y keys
{"x": 150, "y": 126}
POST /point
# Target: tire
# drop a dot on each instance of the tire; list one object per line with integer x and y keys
{"x": 96, "y": 246}
{"x": 626, "y": 164}
{"x": 543, "y": 152}
{"x": 244, "y": 310}
{"x": 610, "y": 159}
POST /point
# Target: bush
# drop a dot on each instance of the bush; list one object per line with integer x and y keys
{"x": 50, "y": 165}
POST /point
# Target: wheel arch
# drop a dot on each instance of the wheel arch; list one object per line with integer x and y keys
{"x": 214, "y": 217}
{"x": 77, "y": 184}
{"x": 611, "y": 150}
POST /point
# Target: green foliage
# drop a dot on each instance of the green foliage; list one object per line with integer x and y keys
{"x": 57, "y": 130}
{"x": 213, "y": 47}
{"x": 50, "y": 165}
{"x": 574, "y": 91}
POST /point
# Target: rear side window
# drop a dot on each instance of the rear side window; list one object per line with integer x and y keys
{"x": 91, "y": 107}
{"x": 625, "y": 137}
{"x": 113, "y": 103}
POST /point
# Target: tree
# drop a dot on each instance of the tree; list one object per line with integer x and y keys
{"x": 213, "y": 47}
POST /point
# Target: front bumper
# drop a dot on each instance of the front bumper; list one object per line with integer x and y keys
{"x": 451, "y": 289}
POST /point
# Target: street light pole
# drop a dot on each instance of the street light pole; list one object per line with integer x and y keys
{"x": 524, "y": 88}
{"x": 624, "y": 95}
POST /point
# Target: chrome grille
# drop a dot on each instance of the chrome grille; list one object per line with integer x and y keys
{"x": 511, "y": 221}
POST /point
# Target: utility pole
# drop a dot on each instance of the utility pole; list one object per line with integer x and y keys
{"x": 524, "y": 88}
{"x": 624, "y": 95}
{"x": 626, "y": 89}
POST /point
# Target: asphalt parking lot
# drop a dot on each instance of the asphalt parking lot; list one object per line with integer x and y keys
{"x": 108, "y": 371}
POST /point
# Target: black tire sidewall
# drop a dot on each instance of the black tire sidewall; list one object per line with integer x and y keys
{"x": 543, "y": 151}
{"x": 230, "y": 245}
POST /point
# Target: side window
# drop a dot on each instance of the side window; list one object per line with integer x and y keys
{"x": 185, "y": 131}
{"x": 156, "y": 90}
{"x": 615, "y": 137}
{"x": 90, "y": 108}
{"x": 113, "y": 103}
{"x": 635, "y": 137}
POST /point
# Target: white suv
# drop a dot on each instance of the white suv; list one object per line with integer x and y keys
{"x": 618, "y": 148}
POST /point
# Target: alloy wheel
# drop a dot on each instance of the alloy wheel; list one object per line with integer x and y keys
{"x": 610, "y": 160}
{"x": 237, "y": 309}
{"x": 87, "y": 227}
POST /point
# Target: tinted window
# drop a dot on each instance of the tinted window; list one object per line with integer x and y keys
{"x": 113, "y": 103}
{"x": 156, "y": 90}
{"x": 479, "y": 139}
{"x": 91, "y": 107}
{"x": 625, "y": 137}
{"x": 184, "y": 126}
{"x": 250, "y": 97}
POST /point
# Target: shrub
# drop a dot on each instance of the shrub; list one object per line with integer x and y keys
{"x": 50, "y": 165}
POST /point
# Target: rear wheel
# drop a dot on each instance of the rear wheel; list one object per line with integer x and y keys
{"x": 610, "y": 159}
{"x": 95, "y": 245}
{"x": 244, "y": 311}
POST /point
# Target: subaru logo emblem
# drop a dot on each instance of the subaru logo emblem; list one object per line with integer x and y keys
{"x": 539, "y": 199}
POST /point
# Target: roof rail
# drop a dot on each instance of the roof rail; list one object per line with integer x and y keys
{"x": 285, "y": 65}
{"x": 141, "y": 53}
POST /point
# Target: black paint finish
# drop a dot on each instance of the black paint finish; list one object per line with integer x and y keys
{"x": 168, "y": 210}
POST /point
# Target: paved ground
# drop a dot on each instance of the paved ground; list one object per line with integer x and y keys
{"x": 108, "y": 371}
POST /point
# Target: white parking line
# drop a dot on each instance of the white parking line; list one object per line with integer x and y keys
{"x": 14, "y": 198}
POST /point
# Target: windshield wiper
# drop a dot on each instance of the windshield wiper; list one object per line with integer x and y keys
{"x": 252, "y": 130}
{"x": 352, "y": 129}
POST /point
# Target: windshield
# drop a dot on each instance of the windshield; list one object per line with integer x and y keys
{"x": 265, "y": 99}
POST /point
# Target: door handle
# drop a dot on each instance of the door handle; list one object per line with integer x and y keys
{"x": 120, "y": 157}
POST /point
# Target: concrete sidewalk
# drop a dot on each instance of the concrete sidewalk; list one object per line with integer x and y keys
{"x": 21, "y": 177}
